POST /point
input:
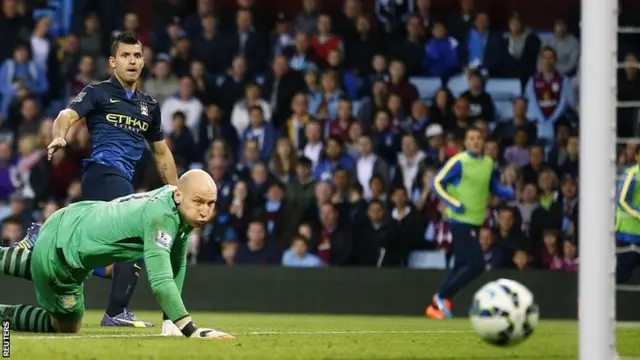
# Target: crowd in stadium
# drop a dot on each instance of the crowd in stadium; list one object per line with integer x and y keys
{"x": 323, "y": 131}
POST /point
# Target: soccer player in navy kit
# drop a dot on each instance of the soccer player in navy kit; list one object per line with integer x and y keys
{"x": 120, "y": 119}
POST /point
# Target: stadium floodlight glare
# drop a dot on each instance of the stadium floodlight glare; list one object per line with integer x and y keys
{"x": 597, "y": 179}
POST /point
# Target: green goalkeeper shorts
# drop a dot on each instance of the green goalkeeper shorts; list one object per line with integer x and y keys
{"x": 59, "y": 288}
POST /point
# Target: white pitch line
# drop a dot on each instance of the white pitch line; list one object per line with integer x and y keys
{"x": 364, "y": 332}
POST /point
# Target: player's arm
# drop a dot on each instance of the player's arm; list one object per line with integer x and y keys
{"x": 161, "y": 153}
{"x": 179, "y": 261}
{"x": 79, "y": 107}
{"x": 450, "y": 173}
{"x": 158, "y": 241}
{"x": 496, "y": 187}
{"x": 624, "y": 195}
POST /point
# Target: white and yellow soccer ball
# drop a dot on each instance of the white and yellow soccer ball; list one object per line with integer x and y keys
{"x": 503, "y": 312}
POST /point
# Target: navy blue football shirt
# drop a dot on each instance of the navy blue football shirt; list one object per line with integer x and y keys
{"x": 119, "y": 122}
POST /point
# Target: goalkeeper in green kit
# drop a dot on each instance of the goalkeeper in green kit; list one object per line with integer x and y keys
{"x": 92, "y": 234}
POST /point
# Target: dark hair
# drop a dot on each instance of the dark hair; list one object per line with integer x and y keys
{"x": 471, "y": 129}
{"x": 305, "y": 161}
{"x": 126, "y": 37}
{"x": 376, "y": 202}
{"x": 179, "y": 114}
{"x": 256, "y": 108}
{"x": 550, "y": 49}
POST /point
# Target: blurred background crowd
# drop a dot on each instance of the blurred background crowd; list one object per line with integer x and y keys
{"x": 323, "y": 127}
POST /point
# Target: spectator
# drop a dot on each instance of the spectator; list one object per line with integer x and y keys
{"x": 261, "y": 131}
{"x": 247, "y": 42}
{"x": 411, "y": 49}
{"x": 518, "y": 153}
{"x": 340, "y": 126}
{"x": 325, "y": 107}
{"x": 376, "y": 236}
{"x": 570, "y": 166}
{"x": 531, "y": 172}
{"x": 392, "y": 14}
{"x": 549, "y": 256}
{"x": 240, "y": 208}
{"x": 85, "y": 75}
{"x": 521, "y": 259}
{"x": 298, "y": 255}
{"x": 522, "y": 49}
{"x": 184, "y": 101}
{"x": 409, "y": 225}
{"x": 240, "y": 113}
{"x": 528, "y": 205}
{"x": 209, "y": 46}
{"x": 279, "y": 88}
{"x": 211, "y": 128}
{"x": 341, "y": 180}
{"x": 300, "y": 190}
{"x": 375, "y": 102}
{"x": 396, "y": 111}
{"x": 29, "y": 175}
{"x": 494, "y": 255}
{"x": 427, "y": 16}
{"x": 184, "y": 147}
{"x": 480, "y": 102}
{"x": 346, "y": 21}
{"x": 441, "y": 53}
{"x": 14, "y": 28}
{"x": 302, "y": 56}
{"x": 369, "y": 164}
{"x": 21, "y": 77}
{"x": 460, "y": 23}
{"x": 163, "y": 84}
{"x": 385, "y": 141}
{"x": 399, "y": 85}
{"x": 284, "y": 160}
{"x": 282, "y": 36}
{"x": 461, "y": 117}
{"x": 313, "y": 146}
{"x": 441, "y": 111}
{"x": 482, "y": 48}
{"x": 233, "y": 85}
{"x": 505, "y": 131}
{"x": 508, "y": 234}
{"x": 335, "y": 244}
{"x": 257, "y": 251}
{"x": 193, "y": 24}
{"x": 6, "y": 158}
{"x": 333, "y": 157}
{"x": 298, "y": 120}
{"x": 363, "y": 47}
{"x": 29, "y": 118}
{"x": 548, "y": 94}
{"x": 92, "y": 43}
{"x": 12, "y": 231}
{"x": 570, "y": 259}
{"x": 434, "y": 148}
{"x": 277, "y": 213}
{"x": 132, "y": 23}
{"x": 558, "y": 152}
{"x": 566, "y": 46}
{"x": 628, "y": 90}
{"x": 355, "y": 132}
{"x": 258, "y": 183}
{"x": 410, "y": 163}
{"x": 205, "y": 86}
{"x": 229, "y": 249}
{"x": 181, "y": 56}
{"x": 307, "y": 20}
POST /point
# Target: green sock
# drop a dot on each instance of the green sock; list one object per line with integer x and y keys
{"x": 16, "y": 262}
{"x": 26, "y": 318}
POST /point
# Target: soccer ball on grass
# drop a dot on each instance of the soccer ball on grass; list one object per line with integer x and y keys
{"x": 503, "y": 312}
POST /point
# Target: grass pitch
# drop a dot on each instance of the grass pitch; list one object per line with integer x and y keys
{"x": 308, "y": 337}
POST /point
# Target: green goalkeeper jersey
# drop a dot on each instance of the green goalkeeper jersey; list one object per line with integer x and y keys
{"x": 94, "y": 234}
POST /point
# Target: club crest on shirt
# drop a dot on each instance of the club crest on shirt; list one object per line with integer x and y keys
{"x": 144, "y": 110}
{"x": 69, "y": 301}
{"x": 163, "y": 239}
{"x": 79, "y": 97}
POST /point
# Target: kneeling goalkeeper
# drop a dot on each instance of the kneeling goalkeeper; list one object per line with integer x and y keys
{"x": 93, "y": 234}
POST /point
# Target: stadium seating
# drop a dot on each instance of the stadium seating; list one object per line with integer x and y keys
{"x": 427, "y": 86}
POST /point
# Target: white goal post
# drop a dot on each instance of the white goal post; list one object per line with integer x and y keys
{"x": 598, "y": 66}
